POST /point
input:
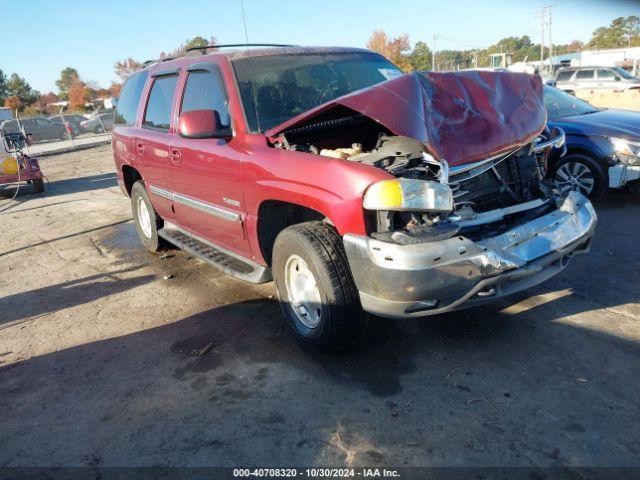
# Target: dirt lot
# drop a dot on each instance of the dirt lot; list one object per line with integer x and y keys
{"x": 104, "y": 361}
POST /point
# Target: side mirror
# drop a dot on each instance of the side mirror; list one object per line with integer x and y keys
{"x": 202, "y": 124}
{"x": 617, "y": 79}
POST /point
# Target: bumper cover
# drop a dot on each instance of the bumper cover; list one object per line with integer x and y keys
{"x": 620, "y": 175}
{"x": 429, "y": 278}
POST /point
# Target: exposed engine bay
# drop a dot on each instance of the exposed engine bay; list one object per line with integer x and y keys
{"x": 489, "y": 195}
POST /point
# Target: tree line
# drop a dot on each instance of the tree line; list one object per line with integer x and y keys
{"x": 622, "y": 32}
{"x": 16, "y": 93}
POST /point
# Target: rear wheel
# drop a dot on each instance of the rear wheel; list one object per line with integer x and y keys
{"x": 315, "y": 287}
{"x": 38, "y": 185}
{"x": 147, "y": 221}
{"x": 581, "y": 173}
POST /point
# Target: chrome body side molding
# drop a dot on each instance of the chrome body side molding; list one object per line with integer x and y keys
{"x": 195, "y": 203}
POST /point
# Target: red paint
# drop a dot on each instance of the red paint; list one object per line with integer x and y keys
{"x": 198, "y": 123}
{"x": 461, "y": 117}
{"x": 240, "y": 173}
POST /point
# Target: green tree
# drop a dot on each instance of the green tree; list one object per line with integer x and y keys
{"x": 68, "y": 77}
{"x": 4, "y": 90}
{"x": 621, "y": 32}
{"x": 197, "y": 41}
{"x": 19, "y": 88}
{"x": 420, "y": 57}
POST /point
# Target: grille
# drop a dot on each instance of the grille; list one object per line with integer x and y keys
{"x": 488, "y": 191}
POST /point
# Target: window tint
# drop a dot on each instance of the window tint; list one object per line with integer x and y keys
{"x": 130, "y": 94}
{"x": 585, "y": 75}
{"x": 205, "y": 91}
{"x": 158, "y": 112}
{"x": 606, "y": 75}
{"x": 564, "y": 76}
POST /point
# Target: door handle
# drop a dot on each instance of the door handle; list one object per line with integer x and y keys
{"x": 175, "y": 156}
{"x": 140, "y": 147}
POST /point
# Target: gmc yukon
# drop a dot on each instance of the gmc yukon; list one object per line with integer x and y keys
{"x": 355, "y": 187}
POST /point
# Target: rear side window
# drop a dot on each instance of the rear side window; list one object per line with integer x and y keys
{"x": 158, "y": 112}
{"x": 205, "y": 91}
{"x": 564, "y": 76}
{"x": 585, "y": 75}
{"x": 130, "y": 94}
{"x": 606, "y": 75}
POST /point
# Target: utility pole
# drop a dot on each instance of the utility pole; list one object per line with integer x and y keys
{"x": 549, "y": 7}
{"x": 433, "y": 55}
{"x": 542, "y": 28}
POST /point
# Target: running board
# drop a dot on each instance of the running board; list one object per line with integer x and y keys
{"x": 221, "y": 258}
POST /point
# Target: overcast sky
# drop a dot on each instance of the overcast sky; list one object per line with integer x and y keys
{"x": 39, "y": 37}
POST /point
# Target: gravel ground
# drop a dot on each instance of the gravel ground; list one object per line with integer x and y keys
{"x": 112, "y": 356}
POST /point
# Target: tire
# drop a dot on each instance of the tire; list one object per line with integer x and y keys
{"x": 38, "y": 185}
{"x": 582, "y": 168}
{"x": 147, "y": 229}
{"x": 98, "y": 129}
{"x": 337, "y": 319}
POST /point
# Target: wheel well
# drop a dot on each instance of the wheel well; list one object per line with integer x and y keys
{"x": 274, "y": 216}
{"x": 130, "y": 176}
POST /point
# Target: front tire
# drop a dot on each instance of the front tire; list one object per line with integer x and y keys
{"x": 147, "y": 221}
{"x": 581, "y": 173}
{"x": 315, "y": 287}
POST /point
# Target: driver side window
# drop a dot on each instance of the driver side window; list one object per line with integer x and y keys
{"x": 205, "y": 91}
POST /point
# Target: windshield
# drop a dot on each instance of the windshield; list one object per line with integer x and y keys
{"x": 624, "y": 74}
{"x": 562, "y": 104}
{"x": 279, "y": 87}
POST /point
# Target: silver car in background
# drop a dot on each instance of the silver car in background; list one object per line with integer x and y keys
{"x": 571, "y": 79}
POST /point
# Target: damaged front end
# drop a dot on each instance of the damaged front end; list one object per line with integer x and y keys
{"x": 466, "y": 215}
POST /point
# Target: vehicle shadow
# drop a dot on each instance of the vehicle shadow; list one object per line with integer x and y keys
{"x": 42, "y": 301}
{"x": 65, "y": 187}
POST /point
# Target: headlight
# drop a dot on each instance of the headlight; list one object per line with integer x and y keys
{"x": 405, "y": 194}
{"x": 627, "y": 151}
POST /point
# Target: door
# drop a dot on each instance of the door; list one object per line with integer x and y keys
{"x": 206, "y": 174}
{"x": 585, "y": 79}
{"x": 47, "y": 129}
{"x": 154, "y": 138}
{"x": 606, "y": 78}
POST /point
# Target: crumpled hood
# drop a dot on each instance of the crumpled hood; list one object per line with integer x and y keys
{"x": 462, "y": 117}
{"x": 610, "y": 122}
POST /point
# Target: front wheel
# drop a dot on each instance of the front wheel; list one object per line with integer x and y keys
{"x": 38, "y": 185}
{"x": 315, "y": 287}
{"x": 147, "y": 221}
{"x": 581, "y": 173}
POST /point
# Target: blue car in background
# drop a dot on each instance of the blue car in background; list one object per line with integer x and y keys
{"x": 603, "y": 145}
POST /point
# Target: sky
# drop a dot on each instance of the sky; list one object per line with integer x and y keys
{"x": 39, "y": 38}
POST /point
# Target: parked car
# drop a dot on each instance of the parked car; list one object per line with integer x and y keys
{"x": 603, "y": 145}
{"x": 40, "y": 128}
{"x": 73, "y": 120}
{"x": 323, "y": 169}
{"x": 72, "y": 128}
{"x": 98, "y": 123}
{"x": 571, "y": 79}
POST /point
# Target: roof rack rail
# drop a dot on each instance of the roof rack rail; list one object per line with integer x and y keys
{"x": 157, "y": 60}
{"x": 231, "y": 45}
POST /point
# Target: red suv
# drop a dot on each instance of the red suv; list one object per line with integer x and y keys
{"x": 354, "y": 187}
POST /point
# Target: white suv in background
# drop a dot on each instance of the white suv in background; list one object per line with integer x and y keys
{"x": 571, "y": 79}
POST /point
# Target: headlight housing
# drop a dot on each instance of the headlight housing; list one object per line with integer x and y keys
{"x": 408, "y": 195}
{"x": 628, "y": 152}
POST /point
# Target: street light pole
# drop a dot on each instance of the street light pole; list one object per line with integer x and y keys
{"x": 433, "y": 55}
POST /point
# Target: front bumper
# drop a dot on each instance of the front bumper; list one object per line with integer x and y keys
{"x": 620, "y": 175}
{"x": 429, "y": 278}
